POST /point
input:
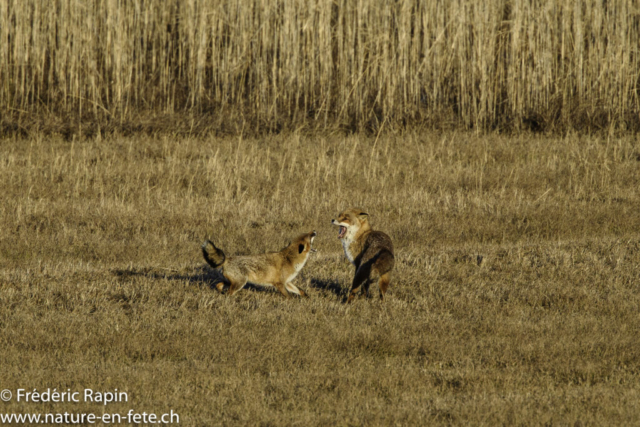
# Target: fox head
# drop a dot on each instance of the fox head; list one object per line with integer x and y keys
{"x": 302, "y": 245}
{"x": 351, "y": 222}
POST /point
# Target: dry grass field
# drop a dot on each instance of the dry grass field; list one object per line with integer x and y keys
{"x": 131, "y": 130}
{"x": 515, "y": 298}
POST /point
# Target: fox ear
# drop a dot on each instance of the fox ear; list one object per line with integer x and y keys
{"x": 362, "y": 216}
{"x": 300, "y": 248}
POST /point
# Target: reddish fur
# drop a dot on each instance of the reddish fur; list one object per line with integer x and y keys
{"x": 371, "y": 252}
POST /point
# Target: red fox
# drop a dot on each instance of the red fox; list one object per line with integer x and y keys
{"x": 371, "y": 252}
{"x": 271, "y": 269}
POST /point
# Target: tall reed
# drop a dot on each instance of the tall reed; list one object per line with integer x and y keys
{"x": 362, "y": 62}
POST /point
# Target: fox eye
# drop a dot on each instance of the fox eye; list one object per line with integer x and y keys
{"x": 300, "y": 248}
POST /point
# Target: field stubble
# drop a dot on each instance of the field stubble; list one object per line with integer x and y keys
{"x": 514, "y": 298}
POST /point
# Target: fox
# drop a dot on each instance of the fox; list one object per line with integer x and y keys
{"x": 371, "y": 252}
{"x": 276, "y": 269}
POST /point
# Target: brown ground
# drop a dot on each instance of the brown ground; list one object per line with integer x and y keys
{"x": 515, "y": 298}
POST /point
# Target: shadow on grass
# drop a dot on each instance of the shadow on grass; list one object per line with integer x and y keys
{"x": 202, "y": 275}
{"x": 330, "y": 286}
{"x": 205, "y": 276}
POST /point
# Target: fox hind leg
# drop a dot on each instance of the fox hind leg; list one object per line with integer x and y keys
{"x": 220, "y": 282}
{"x": 383, "y": 284}
{"x": 219, "y": 286}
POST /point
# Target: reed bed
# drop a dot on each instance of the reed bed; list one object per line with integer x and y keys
{"x": 507, "y": 63}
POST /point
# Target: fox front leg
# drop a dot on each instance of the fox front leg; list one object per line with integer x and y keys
{"x": 361, "y": 278}
{"x": 295, "y": 290}
{"x": 283, "y": 290}
{"x": 235, "y": 286}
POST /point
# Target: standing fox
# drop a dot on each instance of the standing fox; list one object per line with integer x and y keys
{"x": 370, "y": 251}
{"x": 271, "y": 269}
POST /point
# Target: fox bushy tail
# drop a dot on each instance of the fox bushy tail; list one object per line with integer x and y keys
{"x": 214, "y": 257}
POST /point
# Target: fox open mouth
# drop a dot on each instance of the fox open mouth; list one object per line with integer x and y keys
{"x": 342, "y": 231}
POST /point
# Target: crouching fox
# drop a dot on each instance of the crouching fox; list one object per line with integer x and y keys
{"x": 276, "y": 269}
